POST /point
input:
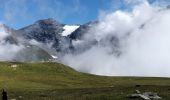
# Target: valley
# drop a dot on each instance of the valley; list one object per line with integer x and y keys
{"x": 54, "y": 81}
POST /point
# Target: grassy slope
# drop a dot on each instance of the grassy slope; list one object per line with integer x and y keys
{"x": 51, "y": 81}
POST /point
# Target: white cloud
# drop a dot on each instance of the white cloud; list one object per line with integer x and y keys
{"x": 7, "y": 51}
{"x": 144, "y": 43}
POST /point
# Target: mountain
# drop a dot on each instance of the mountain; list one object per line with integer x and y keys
{"x": 43, "y": 30}
{"x": 60, "y": 37}
{"x": 48, "y": 31}
{"x": 15, "y": 48}
{"x": 51, "y": 31}
{"x": 47, "y": 38}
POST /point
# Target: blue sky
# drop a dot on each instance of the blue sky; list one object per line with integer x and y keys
{"x": 20, "y": 13}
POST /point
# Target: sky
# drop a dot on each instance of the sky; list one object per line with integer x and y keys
{"x": 20, "y": 13}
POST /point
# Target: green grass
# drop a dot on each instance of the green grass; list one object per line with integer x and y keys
{"x": 53, "y": 81}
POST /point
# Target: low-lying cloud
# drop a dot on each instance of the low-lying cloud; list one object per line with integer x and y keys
{"x": 7, "y": 50}
{"x": 143, "y": 35}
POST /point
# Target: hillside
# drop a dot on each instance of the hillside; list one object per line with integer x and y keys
{"x": 53, "y": 81}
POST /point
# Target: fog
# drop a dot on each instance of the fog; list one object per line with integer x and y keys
{"x": 7, "y": 50}
{"x": 143, "y": 35}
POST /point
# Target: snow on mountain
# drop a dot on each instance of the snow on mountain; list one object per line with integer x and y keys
{"x": 68, "y": 29}
{"x": 54, "y": 57}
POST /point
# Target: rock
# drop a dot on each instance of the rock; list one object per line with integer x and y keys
{"x": 144, "y": 95}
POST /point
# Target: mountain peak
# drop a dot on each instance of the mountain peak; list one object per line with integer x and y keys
{"x": 48, "y": 21}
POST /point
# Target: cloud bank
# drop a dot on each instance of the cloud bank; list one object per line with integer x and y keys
{"x": 143, "y": 39}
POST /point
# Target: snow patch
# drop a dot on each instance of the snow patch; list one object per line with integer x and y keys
{"x": 68, "y": 29}
{"x": 54, "y": 57}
